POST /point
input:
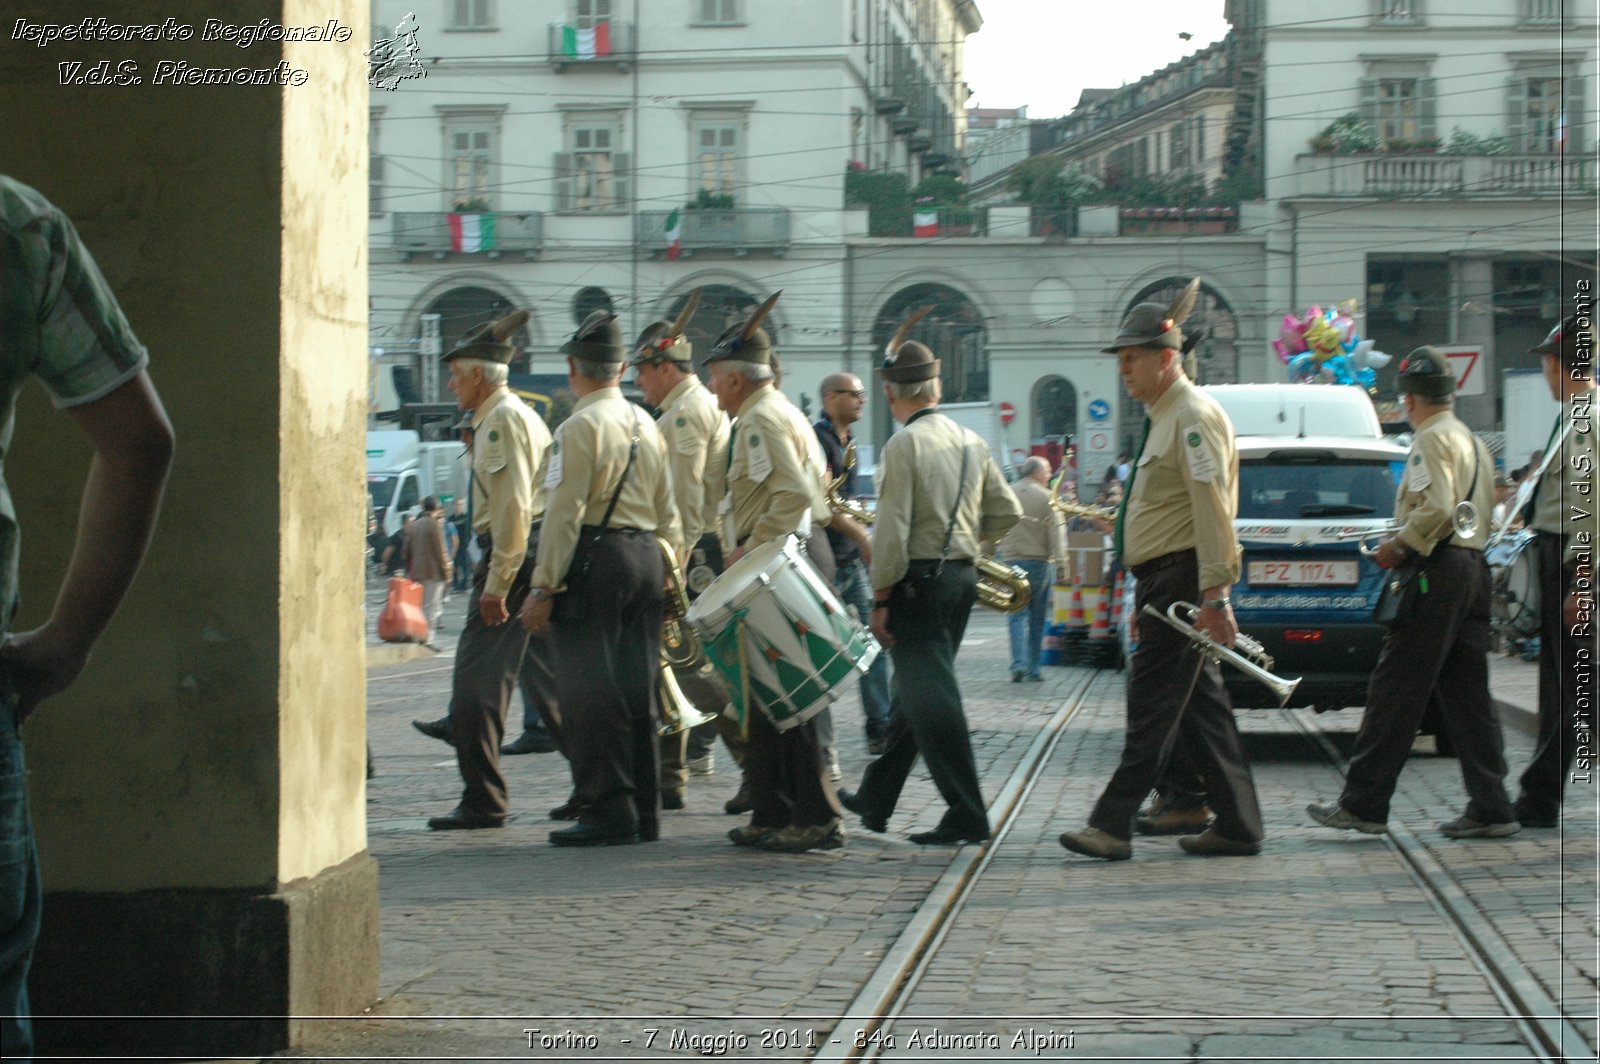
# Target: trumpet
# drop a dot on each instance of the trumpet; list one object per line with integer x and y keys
{"x": 1464, "y": 523}
{"x": 1250, "y": 657}
{"x": 838, "y": 503}
{"x": 679, "y": 649}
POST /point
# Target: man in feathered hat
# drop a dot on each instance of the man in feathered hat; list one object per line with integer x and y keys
{"x": 610, "y": 496}
{"x": 509, "y": 442}
{"x": 1175, "y": 535}
{"x": 1562, "y": 510}
{"x": 940, "y": 497}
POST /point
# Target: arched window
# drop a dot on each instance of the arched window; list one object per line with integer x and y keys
{"x": 954, "y": 330}
{"x": 1215, "y": 359}
{"x": 721, "y": 306}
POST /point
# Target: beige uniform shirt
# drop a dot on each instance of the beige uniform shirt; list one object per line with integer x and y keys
{"x": 509, "y": 442}
{"x": 696, "y": 433}
{"x": 1186, "y": 490}
{"x": 581, "y": 474}
{"x": 1566, "y": 502}
{"x": 774, "y": 476}
{"x": 919, "y": 475}
{"x": 1439, "y": 469}
{"x": 1034, "y": 537}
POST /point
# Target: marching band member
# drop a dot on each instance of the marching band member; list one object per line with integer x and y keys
{"x": 940, "y": 496}
{"x": 774, "y": 491}
{"x": 610, "y": 494}
{"x": 1175, "y": 534}
{"x": 1441, "y": 654}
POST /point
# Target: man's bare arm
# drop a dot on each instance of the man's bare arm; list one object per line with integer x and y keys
{"x": 133, "y": 444}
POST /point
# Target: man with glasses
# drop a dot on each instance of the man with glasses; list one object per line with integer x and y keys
{"x": 843, "y": 400}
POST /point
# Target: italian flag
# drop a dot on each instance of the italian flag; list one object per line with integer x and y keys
{"x": 925, "y": 222}
{"x": 674, "y": 233}
{"x": 471, "y": 232}
{"x": 586, "y": 44}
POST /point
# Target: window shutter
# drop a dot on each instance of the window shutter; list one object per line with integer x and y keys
{"x": 708, "y": 10}
{"x": 1517, "y": 114}
{"x": 563, "y": 169}
{"x": 1427, "y": 109}
{"x": 1572, "y": 104}
{"x": 1369, "y": 102}
{"x": 622, "y": 179}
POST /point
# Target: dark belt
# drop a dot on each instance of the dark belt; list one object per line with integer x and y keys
{"x": 486, "y": 541}
{"x": 1145, "y": 570}
{"x": 596, "y": 530}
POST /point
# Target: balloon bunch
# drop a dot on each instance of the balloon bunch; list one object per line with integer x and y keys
{"x": 1325, "y": 347}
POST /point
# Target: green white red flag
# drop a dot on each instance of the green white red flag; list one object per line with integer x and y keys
{"x": 586, "y": 44}
{"x": 471, "y": 232}
{"x": 674, "y": 234}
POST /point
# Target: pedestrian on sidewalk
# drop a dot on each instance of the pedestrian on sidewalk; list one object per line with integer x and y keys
{"x": 62, "y": 324}
{"x": 1175, "y": 534}
{"x": 1029, "y": 546}
{"x": 1440, "y": 656}
{"x": 507, "y": 507}
{"x": 942, "y": 497}
{"x": 428, "y": 559}
{"x": 1562, "y": 511}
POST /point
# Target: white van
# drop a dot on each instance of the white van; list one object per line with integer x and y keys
{"x": 1298, "y": 410}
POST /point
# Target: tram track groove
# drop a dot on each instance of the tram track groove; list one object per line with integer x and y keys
{"x": 1537, "y": 1017}
{"x": 883, "y": 996}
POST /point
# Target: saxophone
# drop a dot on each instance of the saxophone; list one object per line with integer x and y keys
{"x": 1001, "y": 587}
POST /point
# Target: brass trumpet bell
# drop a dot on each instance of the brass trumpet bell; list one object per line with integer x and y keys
{"x": 677, "y": 712}
{"x": 1251, "y": 658}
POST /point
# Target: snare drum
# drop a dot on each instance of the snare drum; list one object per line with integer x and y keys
{"x": 1514, "y": 566}
{"x": 800, "y": 644}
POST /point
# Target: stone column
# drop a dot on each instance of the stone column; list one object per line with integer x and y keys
{"x": 200, "y": 794}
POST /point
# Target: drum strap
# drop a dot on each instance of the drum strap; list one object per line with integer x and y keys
{"x": 633, "y": 453}
{"x": 950, "y": 528}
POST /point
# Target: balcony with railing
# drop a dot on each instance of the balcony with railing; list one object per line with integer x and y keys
{"x": 430, "y": 232}
{"x": 572, "y": 49}
{"x": 737, "y": 231}
{"x": 1402, "y": 175}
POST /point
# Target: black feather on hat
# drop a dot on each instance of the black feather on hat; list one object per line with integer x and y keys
{"x": 1154, "y": 325}
{"x": 663, "y": 341}
{"x": 746, "y": 341}
{"x": 491, "y": 341}
{"x": 907, "y": 361}
{"x": 598, "y": 339}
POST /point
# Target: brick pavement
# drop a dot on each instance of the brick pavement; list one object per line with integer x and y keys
{"x": 484, "y": 929}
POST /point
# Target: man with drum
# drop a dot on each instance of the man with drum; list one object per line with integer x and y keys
{"x": 696, "y": 435}
{"x": 940, "y": 496}
{"x": 1175, "y": 535}
{"x": 510, "y": 442}
{"x": 773, "y": 492}
{"x": 1562, "y": 511}
{"x": 1439, "y": 655}
{"x": 597, "y": 591}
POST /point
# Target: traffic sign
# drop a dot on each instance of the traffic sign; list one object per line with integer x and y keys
{"x": 1099, "y": 410}
{"x": 1467, "y": 361}
{"x": 1008, "y": 413}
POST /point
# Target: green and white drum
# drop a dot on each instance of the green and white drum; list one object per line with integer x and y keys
{"x": 775, "y": 629}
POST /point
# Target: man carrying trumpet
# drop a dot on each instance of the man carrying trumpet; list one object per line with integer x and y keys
{"x": 1175, "y": 535}
{"x": 1440, "y": 655}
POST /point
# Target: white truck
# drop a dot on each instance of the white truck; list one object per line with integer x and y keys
{"x": 402, "y": 471}
{"x": 984, "y": 419}
{"x": 1529, "y": 412}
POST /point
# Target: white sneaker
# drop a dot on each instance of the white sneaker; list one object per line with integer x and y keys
{"x": 835, "y": 773}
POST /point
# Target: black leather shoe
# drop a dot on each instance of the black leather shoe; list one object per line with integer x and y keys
{"x": 529, "y": 743}
{"x": 852, "y": 801}
{"x": 459, "y": 819}
{"x": 946, "y": 837}
{"x": 434, "y": 729}
{"x": 569, "y": 811}
{"x": 591, "y": 835}
{"x": 876, "y": 745}
{"x": 1529, "y": 817}
{"x": 671, "y": 801}
{"x": 739, "y": 803}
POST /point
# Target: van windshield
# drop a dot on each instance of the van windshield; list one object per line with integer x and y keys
{"x": 381, "y": 488}
{"x": 1277, "y": 490}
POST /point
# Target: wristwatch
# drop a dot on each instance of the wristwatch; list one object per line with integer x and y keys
{"x": 539, "y": 594}
{"x": 1217, "y": 603}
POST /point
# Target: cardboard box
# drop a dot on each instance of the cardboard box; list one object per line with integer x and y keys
{"x": 1088, "y": 557}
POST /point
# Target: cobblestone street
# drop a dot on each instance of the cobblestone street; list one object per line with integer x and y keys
{"x": 1327, "y": 946}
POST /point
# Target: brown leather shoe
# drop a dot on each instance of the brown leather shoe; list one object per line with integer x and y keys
{"x": 1093, "y": 842}
{"x": 739, "y": 803}
{"x": 1169, "y": 821}
{"x": 1210, "y": 844}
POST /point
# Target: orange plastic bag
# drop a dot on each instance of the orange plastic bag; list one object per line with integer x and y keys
{"x": 401, "y": 620}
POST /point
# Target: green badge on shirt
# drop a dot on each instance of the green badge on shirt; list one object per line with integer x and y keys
{"x": 755, "y": 441}
{"x": 682, "y": 421}
{"x": 1416, "y": 459}
{"x": 1194, "y": 439}
{"x": 494, "y": 434}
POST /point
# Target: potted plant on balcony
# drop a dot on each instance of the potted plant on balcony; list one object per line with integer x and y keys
{"x": 712, "y": 217}
{"x": 887, "y": 197}
{"x": 1463, "y": 143}
{"x": 1054, "y": 191}
{"x": 1348, "y": 135}
{"x": 1412, "y": 145}
{"x": 949, "y": 196}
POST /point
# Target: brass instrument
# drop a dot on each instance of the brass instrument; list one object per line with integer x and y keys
{"x": 1076, "y": 509}
{"x": 838, "y": 503}
{"x": 680, "y": 649}
{"x": 1250, "y": 657}
{"x": 1464, "y": 524}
